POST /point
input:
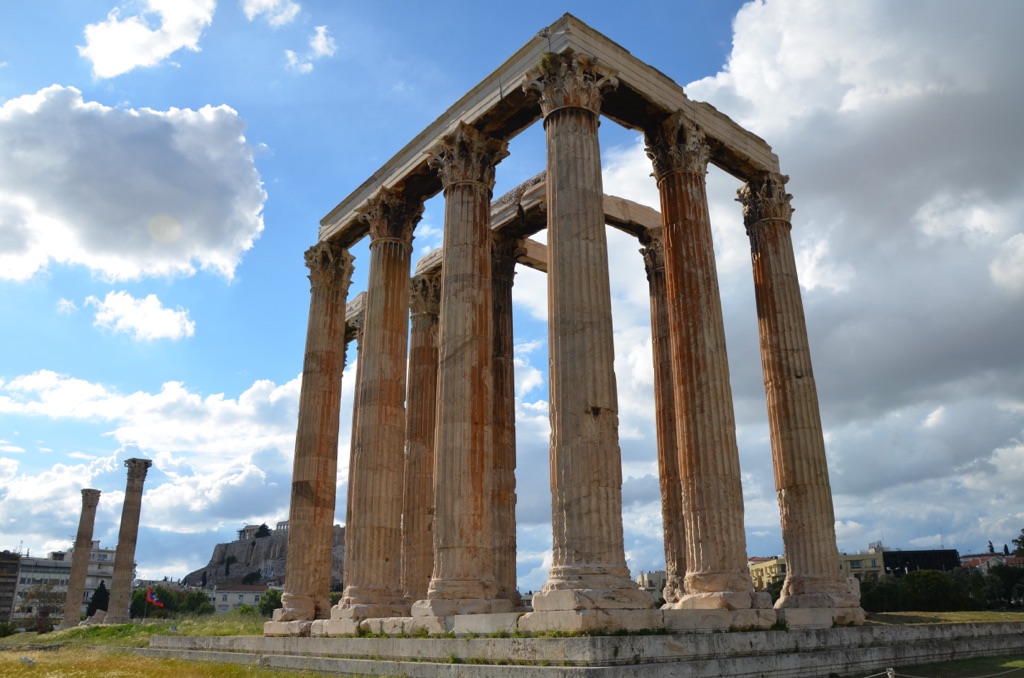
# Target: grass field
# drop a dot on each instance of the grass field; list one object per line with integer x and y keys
{"x": 105, "y": 651}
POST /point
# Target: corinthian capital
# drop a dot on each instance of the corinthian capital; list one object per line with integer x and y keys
{"x": 505, "y": 251}
{"x": 137, "y": 468}
{"x": 467, "y": 155}
{"x": 425, "y": 294}
{"x": 765, "y": 198}
{"x": 653, "y": 251}
{"x": 391, "y": 215}
{"x": 678, "y": 145}
{"x": 569, "y": 81}
{"x": 329, "y": 264}
{"x": 90, "y": 498}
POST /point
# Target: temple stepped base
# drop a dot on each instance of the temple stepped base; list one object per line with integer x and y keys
{"x": 748, "y": 654}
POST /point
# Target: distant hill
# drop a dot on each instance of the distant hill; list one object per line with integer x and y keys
{"x": 267, "y": 556}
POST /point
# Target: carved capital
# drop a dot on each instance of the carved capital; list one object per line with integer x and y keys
{"x": 425, "y": 294}
{"x": 505, "y": 251}
{"x": 329, "y": 264}
{"x": 467, "y": 155}
{"x": 765, "y": 198}
{"x": 354, "y": 329}
{"x": 569, "y": 81}
{"x": 90, "y": 498}
{"x": 390, "y": 215}
{"x": 137, "y": 468}
{"x": 678, "y": 145}
{"x": 653, "y": 251}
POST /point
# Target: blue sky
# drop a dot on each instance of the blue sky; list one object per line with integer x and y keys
{"x": 165, "y": 163}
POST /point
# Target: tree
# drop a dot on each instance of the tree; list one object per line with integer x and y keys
{"x": 42, "y": 600}
{"x": 197, "y": 602}
{"x": 99, "y": 601}
{"x": 991, "y": 549}
{"x": 929, "y": 590}
{"x": 228, "y": 562}
{"x": 1018, "y": 545}
{"x": 270, "y": 601}
{"x": 1006, "y": 550}
{"x": 262, "y": 531}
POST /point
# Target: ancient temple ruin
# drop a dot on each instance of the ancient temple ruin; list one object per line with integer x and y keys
{"x": 430, "y": 533}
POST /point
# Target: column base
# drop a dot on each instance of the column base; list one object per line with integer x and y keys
{"x": 295, "y": 608}
{"x": 807, "y": 592}
{"x": 724, "y": 600}
{"x": 446, "y": 607}
{"x": 674, "y": 589}
{"x": 571, "y": 600}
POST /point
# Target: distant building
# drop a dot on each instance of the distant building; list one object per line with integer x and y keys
{"x": 56, "y": 570}
{"x": 652, "y": 582}
{"x": 862, "y": 566}
{"x": 230, "y": 598}
{"x": 984, "y": 562}
{"x": 9, "y": 562}
{"x": 900, "y": 563}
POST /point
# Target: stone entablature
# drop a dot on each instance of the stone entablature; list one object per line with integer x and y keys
{"x": 459, "y": 483}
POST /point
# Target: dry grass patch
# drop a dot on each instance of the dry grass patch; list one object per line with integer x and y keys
{"x": 75, "y": 662}
{"x": 978, "y": 616}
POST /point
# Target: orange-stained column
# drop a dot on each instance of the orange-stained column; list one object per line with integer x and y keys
{"x": 716, "y": 562}
{"x": 798, "y": 444}
{"x": 80, "y": 559}
{"x": 421, "y": 415}
{"x": 463, "y": 577}
{"x": 665, "y": 420}
{"x": 506, "y": 250}
{"x": 315, "y": 467}
{"x": 588, "y": 569}
{"x": 118, "y": 611}
{"x": 373, "y": 529}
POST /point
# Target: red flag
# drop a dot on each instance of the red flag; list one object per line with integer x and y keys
{"x": 151, "y": 598}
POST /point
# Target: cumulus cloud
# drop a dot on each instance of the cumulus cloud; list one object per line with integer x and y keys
{"x": 126, "y": 193}
{"x": 122, "y": 44}
{"x": 321, "y": 45}
{"x": 144, "y": 319}
{"x": 275, "y": 12}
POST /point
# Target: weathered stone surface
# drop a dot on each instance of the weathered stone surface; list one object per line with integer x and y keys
{"x": 127, "y": 535}
{"x": 314, "y": 468}
{"x": 80, "y": 559}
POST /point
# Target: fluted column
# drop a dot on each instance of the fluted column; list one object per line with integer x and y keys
{"x": 421, "y": 416}
{"x": 589, "y": 565}
{"x": 463, "y": 578}
{"x": 315, "y": 467}
{"x": 716, "y": 562}
{"x": 373, "y": 530}
{"x": 124, "y": 556}
{"x": 798, "y": 444}
{"x": 506, "y": 250}
{"x": 80, "y": 559}
{"x": 673, "y": 526}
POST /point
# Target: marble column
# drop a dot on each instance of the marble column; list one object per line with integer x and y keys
{"x": 716, "y": 561}
{"x": 665, "y": 420}
{"x": 421, "y": 416}
{"x": 798, "y": 444}
{"x": 80, "y": 559}
{"x": 506, "y": 251}
{"x": 373, "y": 530}
{"x": 588, "y": 573}
{"x": 118, "y": 612}
{"x": 315, "y": 467}
{"x": 463, "y": 578}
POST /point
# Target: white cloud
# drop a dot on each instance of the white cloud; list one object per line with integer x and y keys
{"x": 276, "y": 12}
{"x": 145, "y": 319}
{"x": 66, "y": 306}
{"x": 1007, "y": 269}
{"x": 321, "y": 45}
{"x": 126, "y": 193}
{"x": 119, "y": 45}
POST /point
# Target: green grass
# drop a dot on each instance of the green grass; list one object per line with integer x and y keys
{"x": 1008, "y": 666}
{"x": 980, "y": 616}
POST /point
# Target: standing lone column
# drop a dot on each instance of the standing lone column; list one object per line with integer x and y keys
{"x": 665, "y": 420}
{"x": 798, "y": 444}
{"x": 315, "y": 467}
{"x": 80, "y": 559}
{"x": 421, "y": 416}
{"x": 463, "y": 579}
{"x": 588, "y": 572}
{"x": 373, "y": 531}
{"x": 716, "y": 562}
{"x": 506, "y": 250}
{"x": 124, "y": 556}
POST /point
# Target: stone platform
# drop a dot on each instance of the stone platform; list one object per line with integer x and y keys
{"x": 807, "y": 653}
